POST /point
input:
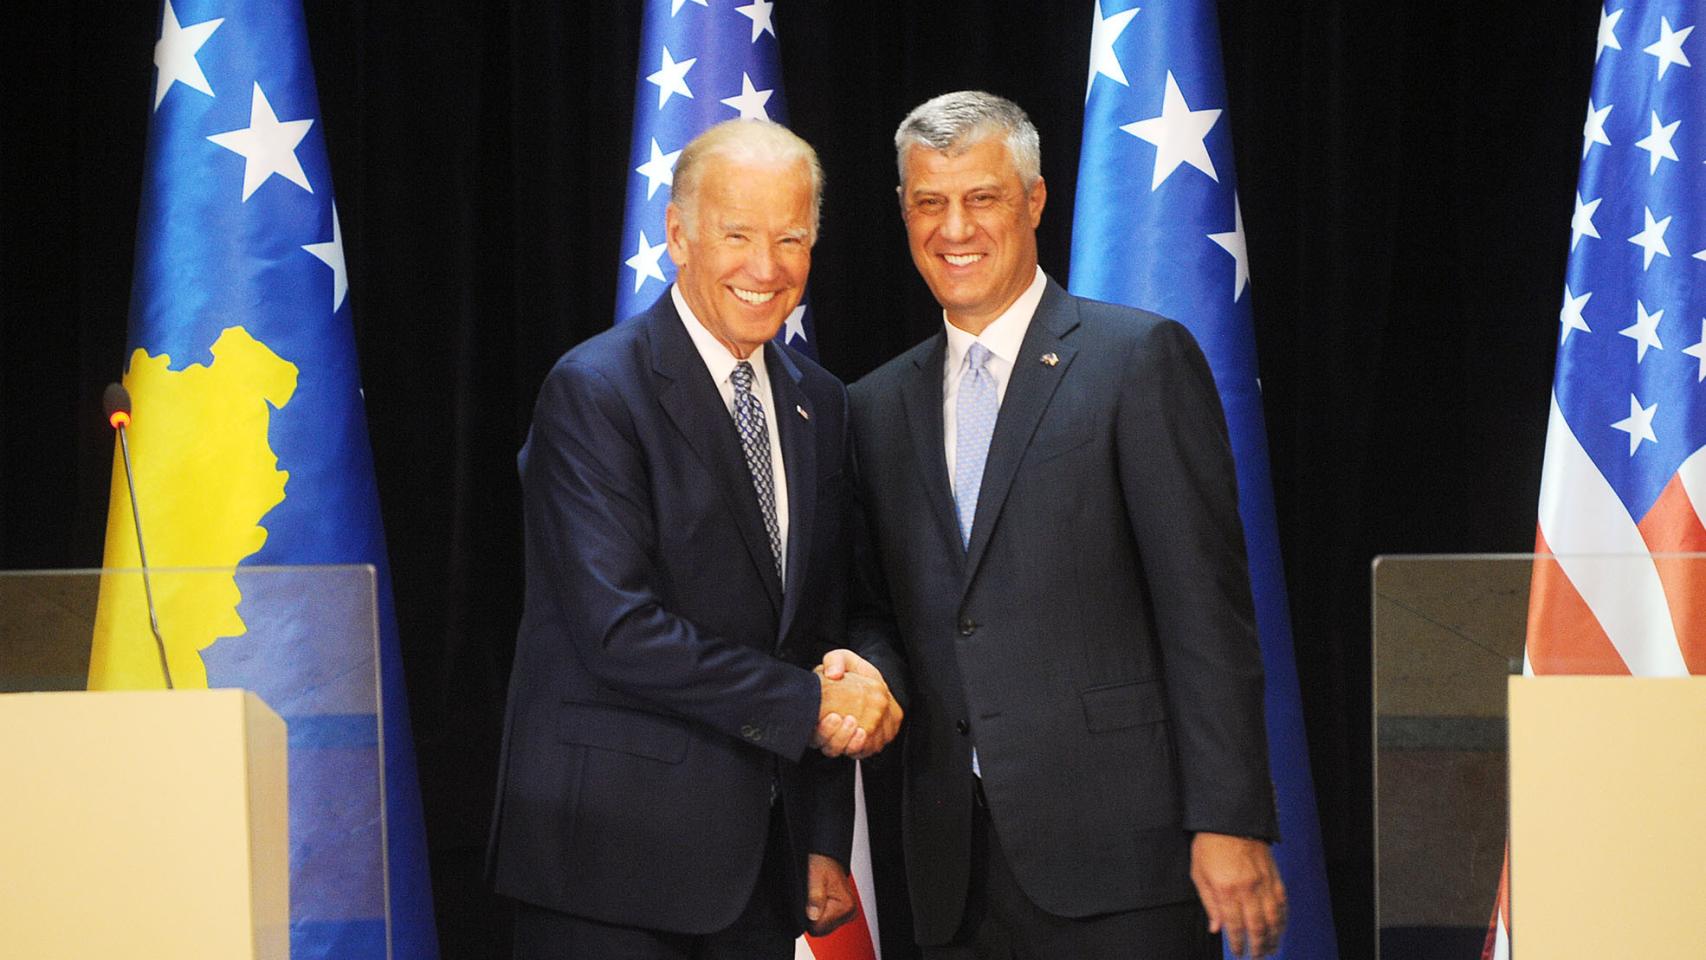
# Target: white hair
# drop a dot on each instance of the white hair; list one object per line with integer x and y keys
{"x": 955, "y": 122}
{"x": 748, "y": 140}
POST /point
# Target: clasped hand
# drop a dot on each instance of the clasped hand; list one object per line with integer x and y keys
{"x": 857, "y": 716}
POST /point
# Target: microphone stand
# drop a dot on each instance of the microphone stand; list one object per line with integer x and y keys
{"x": 136, "y": 516}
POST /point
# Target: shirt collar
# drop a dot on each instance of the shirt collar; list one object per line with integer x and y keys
{"x": 717, "y": 357}
{"x": 1006, "y": 334}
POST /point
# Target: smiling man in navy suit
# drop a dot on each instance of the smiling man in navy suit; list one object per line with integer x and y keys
{"x": 659, "y": 795}
{"x": 1058, "y": 573}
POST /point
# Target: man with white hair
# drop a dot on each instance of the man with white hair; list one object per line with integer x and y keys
{"x": 659, "y": 794}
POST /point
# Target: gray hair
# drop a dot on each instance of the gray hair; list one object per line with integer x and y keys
{"x": 955, "y": 122}
{"x": 743, "y": 140}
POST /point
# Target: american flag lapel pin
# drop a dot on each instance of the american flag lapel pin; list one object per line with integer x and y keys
{"x": 802, "y": 412}
{"x": 1049, "y": 359}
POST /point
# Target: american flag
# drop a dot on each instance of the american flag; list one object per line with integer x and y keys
{"x": 1624, "y": 467}
{"x": 1158, "y": 225}
{"x": 703, "y": 62}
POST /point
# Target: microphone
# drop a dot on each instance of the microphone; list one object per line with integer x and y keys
{"x": 116, "y": 402}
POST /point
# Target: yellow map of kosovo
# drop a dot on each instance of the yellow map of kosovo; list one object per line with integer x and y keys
{"x": 205, "y": 476}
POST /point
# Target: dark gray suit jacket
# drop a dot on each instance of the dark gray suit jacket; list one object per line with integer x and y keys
{"x": 662, "y": 687}
{"x": 1096, "y": 641}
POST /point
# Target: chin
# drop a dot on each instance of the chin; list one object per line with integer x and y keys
{"x": 759, "y": 334}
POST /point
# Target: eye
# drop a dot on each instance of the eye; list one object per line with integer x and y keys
{"x": 929, "y": 205}
{"x": 981, "y": 200}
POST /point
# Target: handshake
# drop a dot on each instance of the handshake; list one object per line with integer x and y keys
{"x": 857, "y": 716}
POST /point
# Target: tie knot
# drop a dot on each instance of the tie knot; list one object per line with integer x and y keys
{"x": 742, "y": 377}
{"x": 977, "y": 356}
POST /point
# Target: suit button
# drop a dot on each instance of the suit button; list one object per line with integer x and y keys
{"x": 962, "y": 727}
{"x": 968, "y": 626}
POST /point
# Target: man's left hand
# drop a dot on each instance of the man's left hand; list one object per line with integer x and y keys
{"x": 1241, "y": 890}
{"x": 829, "y": 897}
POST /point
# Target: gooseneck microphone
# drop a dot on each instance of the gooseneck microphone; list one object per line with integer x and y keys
{"x": 116, "y": 401}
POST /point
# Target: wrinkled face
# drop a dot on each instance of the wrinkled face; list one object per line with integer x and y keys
{"x": 742, "y": 262}
{"x": 972, "y": 227}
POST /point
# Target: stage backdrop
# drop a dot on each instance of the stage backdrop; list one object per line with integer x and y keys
{"x": 1405, "y": 177}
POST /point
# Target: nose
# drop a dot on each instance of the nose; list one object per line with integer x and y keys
{"x": 761, "y": 262}
{"x": 957, "y": 223}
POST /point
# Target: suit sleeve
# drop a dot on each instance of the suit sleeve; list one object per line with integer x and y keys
{"x": 872, "y": 631}
{"x": 586, "y": 491}
{"x": 1180, "y": 491}
{"x": 831, "y": 779}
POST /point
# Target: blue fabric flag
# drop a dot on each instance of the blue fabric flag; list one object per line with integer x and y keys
{"x": 699, "y": 65}
{"x": 251, "y": 450}
{"x": 1158, "y": 226}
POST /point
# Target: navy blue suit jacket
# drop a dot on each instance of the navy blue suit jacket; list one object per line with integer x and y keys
{"x": 1096, "y": 641}
{"x": 662, "y": 686}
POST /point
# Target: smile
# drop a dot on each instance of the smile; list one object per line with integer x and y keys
{"x": 962, "y": 260}
{"x": 753, "y": 296}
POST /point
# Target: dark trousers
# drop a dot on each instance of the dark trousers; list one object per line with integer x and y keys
{"x": 765, "y": 930}
{"x": 1001, "y": 922}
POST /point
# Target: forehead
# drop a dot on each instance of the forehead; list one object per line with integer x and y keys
{"x": 758, "y": 189}
{"x": 984, "y": 163}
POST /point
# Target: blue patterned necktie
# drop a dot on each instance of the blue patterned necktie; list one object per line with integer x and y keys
{"x": 755, "y": 443}
{"x": 974, "y": 423}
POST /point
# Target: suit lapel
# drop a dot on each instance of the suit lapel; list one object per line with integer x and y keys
{"x": 921, "y": 393}
{"x": 798, "y": 431}
{"x": 693, "y": 403}
{"x": 1028, "y": 393}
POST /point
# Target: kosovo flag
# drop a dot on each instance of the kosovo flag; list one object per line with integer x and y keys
{"x": 1158, "y": 226}
{"x": 250, "y": 449}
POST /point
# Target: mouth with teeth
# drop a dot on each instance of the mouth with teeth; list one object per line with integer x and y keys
{"x": 754, "y": 297}
{"x": 962, "y": 259}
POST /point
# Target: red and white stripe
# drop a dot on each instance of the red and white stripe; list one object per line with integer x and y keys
{"x": 1609, "y": 596}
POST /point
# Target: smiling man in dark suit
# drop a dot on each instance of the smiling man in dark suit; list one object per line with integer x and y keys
{"x": 683, "y": 488}
{"x": 1057, "y": 568}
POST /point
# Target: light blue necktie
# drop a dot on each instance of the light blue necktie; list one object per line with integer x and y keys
{"x": 974, "y": 423}
{"x": 755, "y": 443}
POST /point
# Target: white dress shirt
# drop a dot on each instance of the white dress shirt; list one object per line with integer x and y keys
{"x": 721, "y": 363}
{"x": 1002, "y": 339}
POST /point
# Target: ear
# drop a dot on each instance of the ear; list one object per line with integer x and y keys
{"x": 1038, "y": 197}
{"x": 675, "y": 234}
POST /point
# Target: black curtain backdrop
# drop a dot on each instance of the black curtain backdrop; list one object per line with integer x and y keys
{"x": 1406, "y": 172}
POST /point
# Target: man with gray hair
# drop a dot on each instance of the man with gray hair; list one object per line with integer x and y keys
{"x": 1056, "y": 576}
{"x": 659, "y": 793}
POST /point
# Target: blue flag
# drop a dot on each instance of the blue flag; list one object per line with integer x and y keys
{"x": 251, "y": 449}
{"x": 699, "y": 65}
{"x": 1158, "y": 226}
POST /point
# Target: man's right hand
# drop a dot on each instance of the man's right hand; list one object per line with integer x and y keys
{"x": 857, "y": 716}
